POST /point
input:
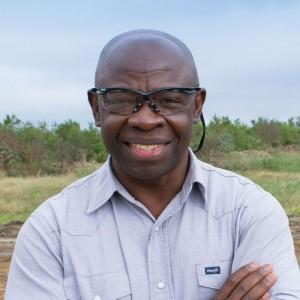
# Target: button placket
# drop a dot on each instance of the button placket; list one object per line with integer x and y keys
{"x": 156, "y": 264}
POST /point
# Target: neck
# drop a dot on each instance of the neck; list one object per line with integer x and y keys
{"x": 155, "y": 194}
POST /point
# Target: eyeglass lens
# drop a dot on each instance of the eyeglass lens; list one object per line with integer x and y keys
{"x": 126, "y": 102}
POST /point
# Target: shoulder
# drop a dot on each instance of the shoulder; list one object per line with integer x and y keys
{"x": 68, "y": 208}
{"x": 229, "y": 192}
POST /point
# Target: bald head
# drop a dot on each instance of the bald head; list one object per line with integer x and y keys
{"x": 142, "y": 53}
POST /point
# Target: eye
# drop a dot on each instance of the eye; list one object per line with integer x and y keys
{"x": 170, "y": 100}
{"x": 120, "y": 98}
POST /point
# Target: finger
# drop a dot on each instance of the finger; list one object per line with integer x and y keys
{"x": 260, "y": 291}
{"x": 235, "y": 279}
{"x": 266, "y": 296}
{"x": 255, "y": 285}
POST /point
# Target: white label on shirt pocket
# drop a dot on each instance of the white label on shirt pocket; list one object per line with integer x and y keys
{"x": 213, "y": 274}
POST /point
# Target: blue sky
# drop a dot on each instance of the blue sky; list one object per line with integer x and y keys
{"x": 247, "y": 53}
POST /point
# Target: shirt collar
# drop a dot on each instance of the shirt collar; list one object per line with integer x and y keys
{"x": 107, "y": 183}
{"x": 105, "y": 187}
{"x": 194, "y": 176}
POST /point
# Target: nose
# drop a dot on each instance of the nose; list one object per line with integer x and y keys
{"x": 145, "y": 118}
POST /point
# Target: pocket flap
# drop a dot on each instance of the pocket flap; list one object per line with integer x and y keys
{"x": 112, "y": 285}
{"x": 108, "y": 286}
{"x": 213, "y": 274}
{"x": 71, "y": 288}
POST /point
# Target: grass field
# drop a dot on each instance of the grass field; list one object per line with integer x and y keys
{"x": 278, "y": 174}
{"x": 19, "y": 196}
{"x": 284, "y": 186}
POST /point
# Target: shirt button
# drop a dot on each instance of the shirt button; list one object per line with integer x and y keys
{"x": 97, "y": 297}
{"x": 156, "y": 229}
{"x": 161, "y": 285}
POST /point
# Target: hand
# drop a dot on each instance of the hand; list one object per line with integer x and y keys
{"x": 250, "y": 282}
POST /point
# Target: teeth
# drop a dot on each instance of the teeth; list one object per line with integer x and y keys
{"x": 146, "y": 147}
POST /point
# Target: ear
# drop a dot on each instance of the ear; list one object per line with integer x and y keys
{"x": 94, "y": 103}
{"x": 199, "y": 101}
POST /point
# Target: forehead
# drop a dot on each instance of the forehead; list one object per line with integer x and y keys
{"x": 145, "y": 61}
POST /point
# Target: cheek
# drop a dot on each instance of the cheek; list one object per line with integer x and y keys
{"x": 182, "y": 125}
{"x": 111, "y": 126}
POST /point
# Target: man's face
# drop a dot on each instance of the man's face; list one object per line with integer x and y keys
{"x": 146, "y": 145}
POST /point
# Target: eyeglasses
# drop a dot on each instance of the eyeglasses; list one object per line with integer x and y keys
{"x": 165, "y": 101}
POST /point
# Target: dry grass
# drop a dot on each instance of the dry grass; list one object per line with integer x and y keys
{"x": 20, "y": 196}
{"x": 285, "y": 186}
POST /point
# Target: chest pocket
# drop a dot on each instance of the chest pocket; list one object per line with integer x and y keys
{"x": 109, "y": 286}
{"x": 211, "y": 276}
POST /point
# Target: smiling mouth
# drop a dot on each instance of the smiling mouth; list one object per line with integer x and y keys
{"x": 146, "y": 148}
{"x": 147, "y": 151}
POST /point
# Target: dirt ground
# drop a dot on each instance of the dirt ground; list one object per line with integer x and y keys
{"x": 9, "y": 232}
{"x": 8, "y": 235}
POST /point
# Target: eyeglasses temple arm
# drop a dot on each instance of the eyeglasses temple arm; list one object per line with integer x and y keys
{"x": 203, "y": 135}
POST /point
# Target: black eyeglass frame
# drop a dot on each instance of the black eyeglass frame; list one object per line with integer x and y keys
{"x": 145, "y": 97}
{"x": 187, "y": 90}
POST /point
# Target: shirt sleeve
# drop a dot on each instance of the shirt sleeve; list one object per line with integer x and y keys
{"x": 36, "y": 270}
{"x": 264, "y": 236}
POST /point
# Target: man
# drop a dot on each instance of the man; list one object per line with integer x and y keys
{"x": 154, "y": 222}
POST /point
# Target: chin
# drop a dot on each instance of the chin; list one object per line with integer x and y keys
{"x": 149, "y": 172}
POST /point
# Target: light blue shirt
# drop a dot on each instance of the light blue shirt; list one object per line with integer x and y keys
{"x": 94, "y": 241}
